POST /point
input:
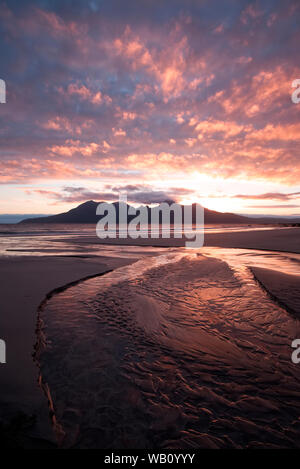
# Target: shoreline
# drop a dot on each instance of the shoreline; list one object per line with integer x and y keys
{"x": 150, "y": 317}
{"x": 27, "y": 281}
{"x": 30, "y": 280}
{"x": 280, "y": 240}
{"x": 40, "y": 345}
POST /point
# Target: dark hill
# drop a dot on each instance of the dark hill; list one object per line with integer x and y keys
{"x": 86, "y": 213}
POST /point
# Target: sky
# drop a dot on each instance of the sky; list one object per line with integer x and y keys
{"x": 170, "y": 100}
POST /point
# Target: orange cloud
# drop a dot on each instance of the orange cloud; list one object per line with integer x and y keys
{"x": 74, "y": 146}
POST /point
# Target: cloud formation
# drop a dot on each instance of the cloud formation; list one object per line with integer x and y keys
{"x": 135, "y": 193}
{"x": 270, "y": 196}
{"x": 97, "y": 92}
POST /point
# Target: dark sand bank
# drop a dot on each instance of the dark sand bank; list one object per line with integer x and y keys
{"x": 25, "y": 281}
{"x": 284, "y": 240}
{"x": 280, "y": 239}
{"x": 284, "y": 288}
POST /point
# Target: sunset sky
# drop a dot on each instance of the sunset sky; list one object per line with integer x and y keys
{"x": 181, "y": 100}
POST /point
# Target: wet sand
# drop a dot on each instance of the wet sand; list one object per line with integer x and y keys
{"x": 284, "y": 288}
{"x": 283, "y": 239}
{"x": 25, "y": 281}
{"x": 183, "y": 351}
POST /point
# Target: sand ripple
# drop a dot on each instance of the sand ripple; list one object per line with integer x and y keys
{"x": 180, "y": 351}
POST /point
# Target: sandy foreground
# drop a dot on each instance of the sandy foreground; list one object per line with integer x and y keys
{"x": 26, "y": 280}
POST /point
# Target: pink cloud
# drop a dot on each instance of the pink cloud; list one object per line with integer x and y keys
{"x": 74, "y": 146}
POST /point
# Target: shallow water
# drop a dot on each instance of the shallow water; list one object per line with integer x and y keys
{"x": 182, "y": 350}
{"x": 43, "y": 239}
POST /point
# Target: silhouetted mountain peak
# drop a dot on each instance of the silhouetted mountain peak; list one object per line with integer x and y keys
{"x": 86, "y": 213}
{"x": 88, "y": 203}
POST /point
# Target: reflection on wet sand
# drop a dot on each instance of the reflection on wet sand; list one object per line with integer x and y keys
{"x": 176, "y": 351}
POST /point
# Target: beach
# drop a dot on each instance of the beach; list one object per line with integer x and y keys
{"x": 270, "y": 239}
{"x": 28, "y": 278}
{"x": 25, "y": 282}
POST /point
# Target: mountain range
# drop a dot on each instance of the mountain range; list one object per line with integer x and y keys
{"x": 86, "y": 213}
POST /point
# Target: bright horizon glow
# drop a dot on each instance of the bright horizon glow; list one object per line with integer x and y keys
{"x": 222, "y": 201}
{"x": 38, "y": 196}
